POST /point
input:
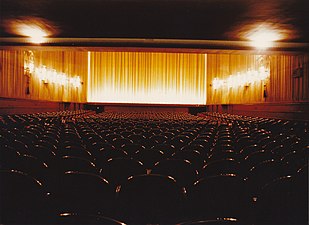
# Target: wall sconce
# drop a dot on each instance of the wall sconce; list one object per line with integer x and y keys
{"x": 247, "y": 78}
{"x": 28, "y": 69}
{"x": 217, "y": 83}
{"x": 29, "y": 61}
{"x": 52, "y": 76}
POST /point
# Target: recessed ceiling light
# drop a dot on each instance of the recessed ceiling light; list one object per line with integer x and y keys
{"x": 37, "y": 29}
{"x": 36, "y": 33}
{"x": 264, "y": 37}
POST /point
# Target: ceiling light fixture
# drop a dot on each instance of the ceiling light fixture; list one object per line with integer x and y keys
{"x": 36, "y": 33}
{"x": 263, "y": 37}
{"x": 35, "y": 28}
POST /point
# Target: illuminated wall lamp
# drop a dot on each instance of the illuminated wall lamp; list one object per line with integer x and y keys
{"x": 51, "y": 76}
{"x": 242, "y": 79}
{"x": 217, "y": 83}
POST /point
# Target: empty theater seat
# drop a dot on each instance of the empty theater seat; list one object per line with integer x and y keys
{"x": 218, "y": 221}
{"x": 83, "y": 192}
{"x": 181, "y": 170}
{"x": 152, "y": 168}
{"x": 283, "y": 200}
{"x": 118, "y": 170}
{"x": 23, "y": 198}
{"x": 83, "y": 218}
{"x": 150, "y": 199}
{"x": 218, "y": 196}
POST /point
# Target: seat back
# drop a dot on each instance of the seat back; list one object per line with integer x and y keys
{"x": 150, "y": 199}
{"x": 284, "y": 200}
{"x": 223, "y": 166}
{"x": 193, "y": 156}
{"x": 73, "y": 163}
{"x": 83, "y": 192}
{"x": 82, "y": 218}
{"x": 218, "y": 196}
{"x": 149, "y": 157}
{"x": 118, "y": 170}
{"x": 23, "y": 198}
{"x": 182, "y": 170}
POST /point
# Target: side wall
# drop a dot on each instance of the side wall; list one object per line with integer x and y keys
{"x": 21, "y": 106}
{"x": 19, "y": 89}
{"x": 285, "y": 94}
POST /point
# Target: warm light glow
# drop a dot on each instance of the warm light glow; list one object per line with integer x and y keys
{"x": 146, "y": 78}
{"x": 75, "y": 81}
{"x": 36, "y": 28}
{"x": 263, "y": 37}
{"x": 242, "y": 79}
{"x": 28, "y": 62}
{"x": 217, "y": 83}
{"x": 108, "y": 95}
{"x": 88, "y": 75}
{"x": 36, "y": 33}
{"x": 52, "y": 76}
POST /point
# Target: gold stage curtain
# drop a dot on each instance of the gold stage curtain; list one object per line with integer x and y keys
{"x": 146, "y": 77}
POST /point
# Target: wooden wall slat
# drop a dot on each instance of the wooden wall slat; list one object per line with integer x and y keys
{"x": 13, "y": 80}
{"x": 280, "y": 87}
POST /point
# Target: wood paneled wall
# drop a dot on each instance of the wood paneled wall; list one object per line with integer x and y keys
{"x": 283, "y": 86}
{"x": 280, "y": 87}
{"x": 221, "y": 66}
{"x": 22, "y": 106}
{"x": 13, "y": 81}
{"x": 282, "y": 95}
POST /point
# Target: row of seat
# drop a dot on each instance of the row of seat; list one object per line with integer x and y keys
{"x": 167, "y": 167}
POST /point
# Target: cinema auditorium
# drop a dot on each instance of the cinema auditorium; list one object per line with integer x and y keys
{"x": 166, "y": 112}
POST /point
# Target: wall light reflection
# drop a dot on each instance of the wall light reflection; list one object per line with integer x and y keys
{"x": 242, "y": 79}
{"x": 48, "y": 75}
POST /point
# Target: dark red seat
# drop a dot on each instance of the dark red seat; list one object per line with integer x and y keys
{"x": 222, "y": 166}
{"x": 120, "y": 142}
{"x": 82, "y": 218}
{"x": 104, "y": 155}
{"x": 84, "y": 193}
{"x": 218, "y": 221}
{"x": 147, "y": 199}
{"x": 149, "y": 157}
{"x": 23, "y": 199}
{"x": 181, "y": 170}
{"x": 73, "y": 163}
{"x": 283, "y": 201}
{"x": 218, "y": 196}
{"x": 131, "y": 148}
{"x": 75, "y": 150}
{"x": 9, "y": 158}
{"x": 263, "y": 173}
{"x": 118, "y": 170}
{"x": 193, "y": 156}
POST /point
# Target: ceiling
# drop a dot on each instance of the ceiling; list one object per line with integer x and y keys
{"x": 227, "y": 20}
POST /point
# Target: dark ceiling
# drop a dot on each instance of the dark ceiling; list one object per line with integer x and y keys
{"x": 162, "y": 19}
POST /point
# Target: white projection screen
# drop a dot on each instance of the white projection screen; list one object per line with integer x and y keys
{"x": 147, "y": 78}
